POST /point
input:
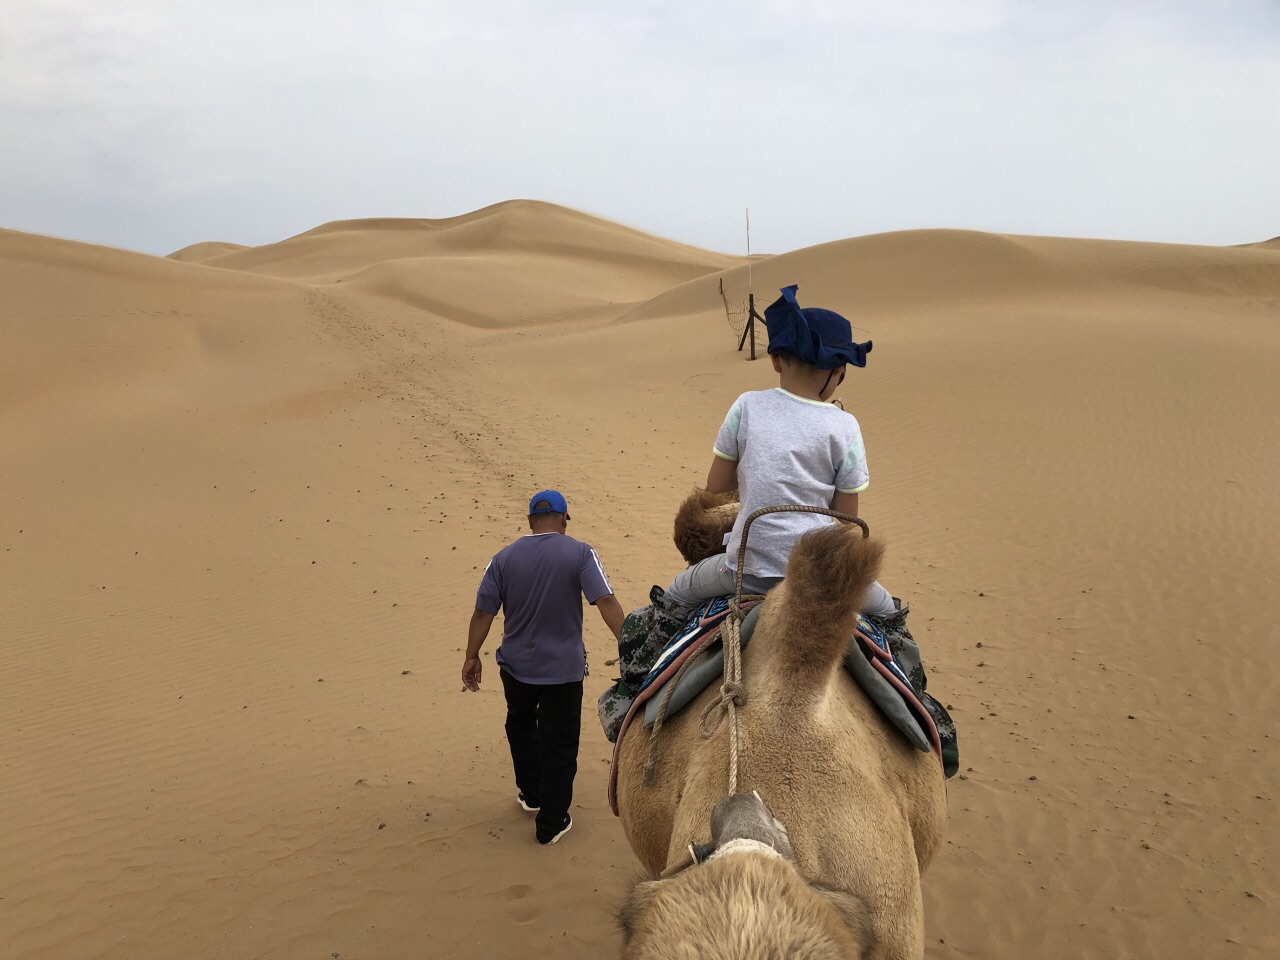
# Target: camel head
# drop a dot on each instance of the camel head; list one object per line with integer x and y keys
{"x": 744, "y": 900}
{"x": 701, "y": 523}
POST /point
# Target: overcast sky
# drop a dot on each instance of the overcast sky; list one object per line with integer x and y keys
{"x": 151, "y": 124}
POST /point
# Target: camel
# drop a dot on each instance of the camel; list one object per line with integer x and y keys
{"x": 859, "y": 812}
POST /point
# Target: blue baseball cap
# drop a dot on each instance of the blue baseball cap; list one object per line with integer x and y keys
{"x": 552, "y": 502}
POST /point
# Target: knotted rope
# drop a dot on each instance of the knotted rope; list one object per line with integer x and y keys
{"x": 733, "y": 692}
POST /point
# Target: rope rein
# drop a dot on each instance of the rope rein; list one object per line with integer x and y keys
{"x": 733, "y": 692}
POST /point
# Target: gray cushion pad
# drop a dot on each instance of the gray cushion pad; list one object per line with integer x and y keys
{"x": 709, "y": 668}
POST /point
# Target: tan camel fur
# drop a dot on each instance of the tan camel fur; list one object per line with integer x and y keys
{"x": 701, "y": 523}
{"x": 743, "y": 905}
{"x": 864, "y": 810}
{"x": 746, "y": 901}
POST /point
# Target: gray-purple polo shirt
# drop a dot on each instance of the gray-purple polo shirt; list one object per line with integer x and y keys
{"x": 539, "y": 582}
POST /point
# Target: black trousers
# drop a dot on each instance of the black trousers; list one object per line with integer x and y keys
{"x": 544, "y": 723}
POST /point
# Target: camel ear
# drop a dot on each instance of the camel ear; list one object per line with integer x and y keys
{"x": 634, "y": 907}
{"x": 853, "y": 911}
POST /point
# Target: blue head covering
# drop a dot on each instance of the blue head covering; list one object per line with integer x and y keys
{"x": 821, "y": 338}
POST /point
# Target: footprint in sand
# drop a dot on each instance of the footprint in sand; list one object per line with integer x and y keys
{"x": 521, "y": 908}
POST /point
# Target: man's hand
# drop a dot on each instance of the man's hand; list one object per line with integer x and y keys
{"x": 477, "y": 630}
{"x": 611, "y": 613}
{"x": 471, "y": 670}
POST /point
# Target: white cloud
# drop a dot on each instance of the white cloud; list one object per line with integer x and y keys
{"x": 154, "y": 124}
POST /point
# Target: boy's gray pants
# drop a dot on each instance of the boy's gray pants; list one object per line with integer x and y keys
{"x": 712, "y": 577}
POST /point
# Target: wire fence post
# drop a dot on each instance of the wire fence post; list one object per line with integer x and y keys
{"x": 746, "y": 332}
{"x": 751, "y": 297}
{"x": 749, "y": 328}
{"x": 738, "y": 312}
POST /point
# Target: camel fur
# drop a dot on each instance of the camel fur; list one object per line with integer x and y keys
{"x": 746, "y": 905}
{"x": 864, "y": 810}
{"x": 746, "y": 901}
{"x": 701, "y": 523}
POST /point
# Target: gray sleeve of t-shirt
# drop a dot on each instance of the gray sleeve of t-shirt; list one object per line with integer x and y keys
{"x": 727, "y": 447}
{"x": 591, "y": 575}
{"x": 851, "y": 472}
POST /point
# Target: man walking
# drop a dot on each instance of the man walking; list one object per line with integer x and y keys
{"x": 538, "y": 582}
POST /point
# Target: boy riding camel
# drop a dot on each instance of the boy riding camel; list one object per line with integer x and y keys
{"x": 789, "y": 446}
{"x": 786, "y": 446}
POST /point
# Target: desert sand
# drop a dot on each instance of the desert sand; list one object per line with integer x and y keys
{"x": 246, "y": 495}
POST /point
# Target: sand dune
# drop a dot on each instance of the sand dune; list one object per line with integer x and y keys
{"x": 243, "y": 512}
{"x": 200, "y": 252}
{"x": 339, "y": 248}
{"x": 555, "y": 263}
{"x": 82, "y": 323}
{"x": 939, "y": 269}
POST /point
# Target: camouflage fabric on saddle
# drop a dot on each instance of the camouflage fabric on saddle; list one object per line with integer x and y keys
{"x": 906, "y": 652}
{"x": 645, "y": 634}
{"x": 648, "y": 632}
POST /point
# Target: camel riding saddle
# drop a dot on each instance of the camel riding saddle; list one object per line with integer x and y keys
{"x": 665, "y": 664}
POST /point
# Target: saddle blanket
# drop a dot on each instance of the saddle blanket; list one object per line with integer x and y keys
{"x": 706, "y": 617}
{"x": 875, "y": 662}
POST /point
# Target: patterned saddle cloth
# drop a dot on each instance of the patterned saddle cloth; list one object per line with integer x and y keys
{"x": 705, "y": 619}
{"x": 885, "y": 662}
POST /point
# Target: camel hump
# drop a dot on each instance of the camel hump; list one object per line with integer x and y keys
{"x": 830, "y": 571}
{"x": 828, "y": 575}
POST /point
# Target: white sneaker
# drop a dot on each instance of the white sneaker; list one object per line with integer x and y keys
{"x": 524, "y": 805}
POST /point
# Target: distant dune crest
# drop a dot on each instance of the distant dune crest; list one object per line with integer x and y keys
{"x": 509, "y": 264}
{"x": 525, "y": 262}
{"x": 200, "y": 252}
{"x": 930, "y": 270}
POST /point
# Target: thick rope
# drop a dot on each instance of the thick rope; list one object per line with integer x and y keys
{"x": 733, "y": 693}
{"x": 672, "y": 684}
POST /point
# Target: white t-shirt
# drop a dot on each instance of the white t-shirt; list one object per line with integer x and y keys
{"x": 789, "y": 450}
